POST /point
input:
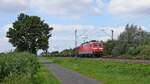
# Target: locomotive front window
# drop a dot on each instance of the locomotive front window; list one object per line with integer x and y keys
{"x": 100, "y": 45}
{"x": 96, "y": 45}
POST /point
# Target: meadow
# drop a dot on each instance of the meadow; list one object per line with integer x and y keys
{"x": 107, "y": 72}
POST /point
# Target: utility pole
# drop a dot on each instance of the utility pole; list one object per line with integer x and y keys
{"x": 112, "y": 35}
{"x": 75, "y": 43}
{"x": 75, "y": 38}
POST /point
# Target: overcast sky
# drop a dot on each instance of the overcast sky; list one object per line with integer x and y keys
{"x": 92, "y": 18}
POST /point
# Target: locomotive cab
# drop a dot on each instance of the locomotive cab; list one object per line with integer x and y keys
{"x": 97, "y": 48}
{"x": 92, "y": 48}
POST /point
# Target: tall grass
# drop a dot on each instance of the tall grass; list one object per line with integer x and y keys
{"x": 44, "y": 76}
{"x": 18, "y": 64}
{"x": 23, "y": 68}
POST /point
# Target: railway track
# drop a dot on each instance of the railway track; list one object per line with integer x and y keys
{"x": 135, "y": 61}
{"x": 124, "y": 60}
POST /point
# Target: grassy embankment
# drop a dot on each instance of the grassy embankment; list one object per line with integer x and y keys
{"x": 23, "y": 68}
{"x": 45, "y": 77}
{"x": 108, "y": 72}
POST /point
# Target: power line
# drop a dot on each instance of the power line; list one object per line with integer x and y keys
{"x": 86, "y": 33}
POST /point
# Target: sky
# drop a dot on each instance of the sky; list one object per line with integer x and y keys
{"x": 93, "y": 19}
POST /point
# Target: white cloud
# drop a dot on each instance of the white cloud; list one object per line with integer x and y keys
{"x": 13, "y": 5}
{"x": 68, "y": 8}
{"x": 130, "y": 7}
{"x": 5, "y": 46}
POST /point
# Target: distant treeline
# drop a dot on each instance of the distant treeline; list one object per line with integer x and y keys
{"x": 134, "y": 43}
{"x": 64, "y": 53}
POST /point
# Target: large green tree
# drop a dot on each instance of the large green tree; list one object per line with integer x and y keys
{"x": 29, "y": 33}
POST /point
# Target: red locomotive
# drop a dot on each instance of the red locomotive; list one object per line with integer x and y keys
{"x": 92, "y": 48}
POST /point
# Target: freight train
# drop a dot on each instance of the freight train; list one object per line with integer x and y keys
{"x": 91, "y": 49}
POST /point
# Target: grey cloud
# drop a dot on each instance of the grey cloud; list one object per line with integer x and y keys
{"x": 132, "y": 8}
{"x": 8, "y": 6}
{"x": 67, "y": 8}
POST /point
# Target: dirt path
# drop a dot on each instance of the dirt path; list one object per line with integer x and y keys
{"x": 67, "y": 76}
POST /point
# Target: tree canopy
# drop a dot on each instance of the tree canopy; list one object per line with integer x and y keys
{"x": 133, "y": 41}
{"x": 29, "y": 33}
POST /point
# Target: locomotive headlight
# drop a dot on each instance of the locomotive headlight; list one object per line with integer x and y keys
{"x": 98, "y": 48}
{"x": 95, "y": 48}
{"x": 101, "y": 48}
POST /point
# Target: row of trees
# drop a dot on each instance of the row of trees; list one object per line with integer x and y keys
{"x": 134, "y": 41}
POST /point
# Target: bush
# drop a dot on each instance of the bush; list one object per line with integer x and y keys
{"x": 132, "y": 51}
{"x": 109, "y": 45}
{"x": 144, "y": 51}
{"x": 18, "y": 79}
{"x": 115, "y": 51}
{"x": 17, "y": 64}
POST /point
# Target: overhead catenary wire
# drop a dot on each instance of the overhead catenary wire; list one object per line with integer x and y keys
{"x": 96, "y": 32}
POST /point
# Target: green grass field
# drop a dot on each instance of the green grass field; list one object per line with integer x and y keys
{"x": 108, "y": 72}
{"x": 45, "y": 77}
